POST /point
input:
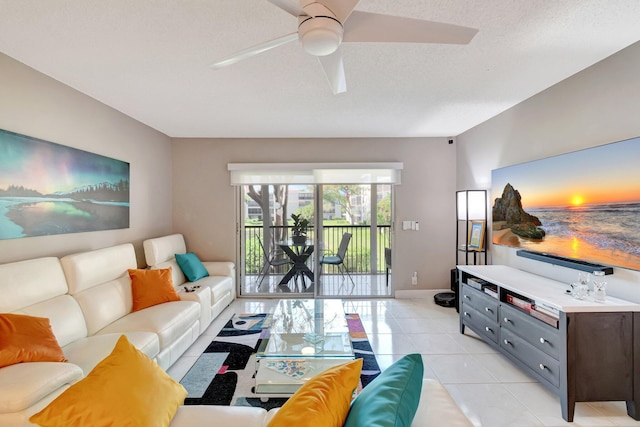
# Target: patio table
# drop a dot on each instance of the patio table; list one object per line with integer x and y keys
{"x": 298, "y": 253}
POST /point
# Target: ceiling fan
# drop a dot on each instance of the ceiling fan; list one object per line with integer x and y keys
{"x": 325, "y": 24}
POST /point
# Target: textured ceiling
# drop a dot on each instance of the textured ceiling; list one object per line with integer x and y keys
{"x": 149, "y": 59}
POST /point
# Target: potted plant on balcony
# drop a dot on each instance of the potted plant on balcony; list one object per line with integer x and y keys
{"x": 299, "y": 229}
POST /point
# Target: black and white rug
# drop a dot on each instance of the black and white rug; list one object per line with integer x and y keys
{"x": 224, "y": 372}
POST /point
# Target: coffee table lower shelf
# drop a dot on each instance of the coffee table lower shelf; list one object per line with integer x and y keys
{"x": 270, "y": 381}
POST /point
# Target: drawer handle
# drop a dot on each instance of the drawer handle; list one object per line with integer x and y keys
{"x": 466, "y": 297}
{"x": 488, "y": 329}
{"x": 488, "y": 310}
{"x": 467, "y": 314}
{"x": 507, "y": 342}
{"x": 542, "y": 340}
{"x": 542, "y": 367}
{"x": 507, "y": 320}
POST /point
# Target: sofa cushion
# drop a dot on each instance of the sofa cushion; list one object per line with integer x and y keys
{"x": 126, "y": 388}
{"x": 178, "y": 276}
{"x": 162, "y": 249}
{"x": 24, "y": 384}
{"x": 88, "y": 352}
{"x": 151, "y": 287}
{"x": 66, "y": 317}
{"x": 88, "y": 269}
{"x": 395, "y": 394}
{"x": 99, "y": 282}
{"x": 27, "y": 339}
{"x": 220, "y": 286}
{"x": 219, "y": 416}
{"x": 169, "y": 321}
{"x": 39, "y": 280}
{"x": 324, "y": 399}
{"x": 191, "y": 266}
{"x": 106, "y": 303}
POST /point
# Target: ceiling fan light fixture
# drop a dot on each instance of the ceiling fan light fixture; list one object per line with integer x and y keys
{"x": 321, "y": 35}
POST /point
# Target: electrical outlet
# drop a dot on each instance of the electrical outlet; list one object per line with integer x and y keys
{"x": 414, "y": 278}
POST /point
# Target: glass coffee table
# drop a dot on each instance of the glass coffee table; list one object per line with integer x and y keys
{"x": 304, "y": 338}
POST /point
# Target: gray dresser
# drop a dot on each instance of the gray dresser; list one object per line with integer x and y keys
{"x": 583, "y": 351}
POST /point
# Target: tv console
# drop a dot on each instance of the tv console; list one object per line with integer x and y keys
{"x": 581, "y": 350}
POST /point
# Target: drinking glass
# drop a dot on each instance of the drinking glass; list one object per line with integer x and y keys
{"x": 578, "y": 290}
{"x": 599, "y": 287}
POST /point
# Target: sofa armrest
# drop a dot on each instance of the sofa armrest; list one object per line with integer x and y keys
{"x": 220, "y": 416}
{"x": 220, "y": 268}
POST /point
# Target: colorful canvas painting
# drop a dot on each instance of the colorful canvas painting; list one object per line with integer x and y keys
{"x": 47, "y": 188}
{"x": 583, "y": 205}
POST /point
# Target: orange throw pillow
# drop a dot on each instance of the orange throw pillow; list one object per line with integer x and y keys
{"x": 126, "y": 389}
{"x": 323, "y": 401}
{"x": 27, "y": 339}
{"x": 152, "y": 287}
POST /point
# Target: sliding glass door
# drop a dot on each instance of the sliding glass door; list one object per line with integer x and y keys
{"x": 356, "y": 233}
{"x": 273, "y": 260}
{"x": 344, "y": 249}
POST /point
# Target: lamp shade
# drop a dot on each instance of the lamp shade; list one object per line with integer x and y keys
{"x": 472, "y": 204}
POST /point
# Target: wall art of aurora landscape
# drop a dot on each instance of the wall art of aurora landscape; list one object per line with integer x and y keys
{"x": 586, "y": 203}
{"x": 47, "y": 188}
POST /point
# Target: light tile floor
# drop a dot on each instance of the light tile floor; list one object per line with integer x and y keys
{"x": 488, "y": 388}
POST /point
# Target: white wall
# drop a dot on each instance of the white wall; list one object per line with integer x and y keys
{"x": 204, "y": 203}
{"x": 594, "y": 107}
{"x": 36, "y": 105}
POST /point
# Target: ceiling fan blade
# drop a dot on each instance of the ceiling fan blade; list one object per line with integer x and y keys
{"x": 341, "y": 8}
{"x": 333, "y": 68}
{"x": 373, "y": 27}
{"x": 254, "y": 50}
{"x": 291, "y": 6}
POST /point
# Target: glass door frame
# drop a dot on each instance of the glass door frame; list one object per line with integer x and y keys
{"x": 318, "y": 242}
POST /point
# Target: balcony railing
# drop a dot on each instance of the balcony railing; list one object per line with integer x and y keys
{"x": 358, "y": 258}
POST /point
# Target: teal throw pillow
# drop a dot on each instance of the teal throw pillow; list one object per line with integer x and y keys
{"x": 191, "y": 266}
{"x": 390, "y": 400}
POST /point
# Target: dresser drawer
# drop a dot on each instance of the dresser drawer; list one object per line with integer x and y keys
{"x": 537, "y": 333}
{"x": 484, "y": 304}
{"x": 538, "y": 361}
{"x": 479, "y": 323}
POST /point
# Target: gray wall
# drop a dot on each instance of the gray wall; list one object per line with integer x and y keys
{"x": 204, "y": 202}
{"x": 182, "y": 185}
{"x": 36, "y": 105}
{"x": 591, "y": 108}
{"x": 596, "y": 106}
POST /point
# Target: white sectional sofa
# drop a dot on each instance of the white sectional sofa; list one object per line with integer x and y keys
{"x": 88, "y": 299}
{"x": 436, "y": 409}
{"x": 214, "y": 293}
{"x": 100, "y": 283}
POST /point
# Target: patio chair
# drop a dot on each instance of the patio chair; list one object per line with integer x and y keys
{"x": 270, "y": 260}
{"x": 339, "y": 257}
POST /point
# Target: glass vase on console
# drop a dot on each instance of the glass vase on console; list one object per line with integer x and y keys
{"x": 599, "y": 287}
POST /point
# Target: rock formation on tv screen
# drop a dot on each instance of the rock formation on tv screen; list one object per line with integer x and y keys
{"x": 508, "y": 208}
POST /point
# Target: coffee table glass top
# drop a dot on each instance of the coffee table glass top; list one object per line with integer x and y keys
{"x": 309, "y": 329}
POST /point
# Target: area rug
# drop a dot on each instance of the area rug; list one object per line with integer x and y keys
{"x": 224, "y": 373}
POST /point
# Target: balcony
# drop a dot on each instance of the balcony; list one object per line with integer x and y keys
{"x": 364, "y": 260}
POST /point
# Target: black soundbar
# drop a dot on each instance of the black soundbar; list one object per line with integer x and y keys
{"x": 564, "y": 262}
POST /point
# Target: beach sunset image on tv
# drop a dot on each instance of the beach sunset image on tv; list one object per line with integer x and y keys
{"x": 583, "y": 205}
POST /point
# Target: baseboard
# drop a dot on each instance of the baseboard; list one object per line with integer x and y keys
{"x": 418, "y": 293}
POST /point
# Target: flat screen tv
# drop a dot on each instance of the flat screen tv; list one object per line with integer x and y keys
{"x": 583, "y": 205}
